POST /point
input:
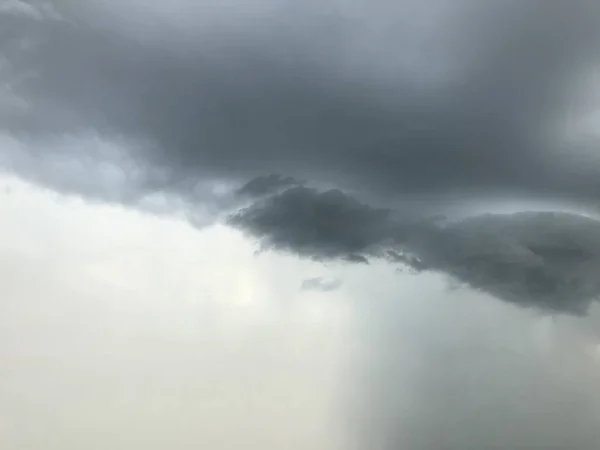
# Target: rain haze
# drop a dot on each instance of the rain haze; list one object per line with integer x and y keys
{"x": 342, "y": 224}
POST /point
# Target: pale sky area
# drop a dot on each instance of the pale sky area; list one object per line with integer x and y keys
{"x": 333, "y": 224}
{"x": 121, "y": 330}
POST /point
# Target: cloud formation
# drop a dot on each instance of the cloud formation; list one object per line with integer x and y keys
{"x": 264, "y": 185}
{"x": 548, "y": 261}
{"x": 315, "y": 224}
{"x": 393, "y": 99}
{"x": 209, "y": 104}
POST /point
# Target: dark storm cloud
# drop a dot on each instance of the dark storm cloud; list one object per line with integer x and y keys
{"x": 320, "y": 284}
{"x": 546, "y": 261}
{"x": 260, "y": 186}
{"x": 392, "y": 98}
{"x": 316, "y": 224}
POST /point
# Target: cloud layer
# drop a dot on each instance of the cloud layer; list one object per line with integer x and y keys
{"x": 397, "y": 99}
{"x": 314, "y": 224}
{"x": 548, "y": 261}
{"x": 197, "y": 109}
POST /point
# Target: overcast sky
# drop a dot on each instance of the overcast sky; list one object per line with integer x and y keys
{"x": 335, "y": 224}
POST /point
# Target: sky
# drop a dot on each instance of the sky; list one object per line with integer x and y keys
{"x": 339, "y": 224}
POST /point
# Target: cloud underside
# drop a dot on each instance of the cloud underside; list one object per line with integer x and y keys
{"x": 548, "y": 261}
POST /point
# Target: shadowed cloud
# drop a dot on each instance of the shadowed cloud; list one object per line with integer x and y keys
{"x": 548, "y": 261}
{"x": 315, "y": 224}
{"x": 397, "y": 100}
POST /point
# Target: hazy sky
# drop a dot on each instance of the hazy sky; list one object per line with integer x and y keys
{"x": 121, "y": 330}
{"x": 341, "y": 224}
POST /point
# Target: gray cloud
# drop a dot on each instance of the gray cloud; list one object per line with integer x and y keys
{"x": 264, "y": 185}
{"x": 393, "y": 99}
{"x": 316, "y": 224}
{"x": 479, "y": 102}
{"x": 320, "y": 284}
{"x": 548, "y": 261}
{"x": 22, "y": 9}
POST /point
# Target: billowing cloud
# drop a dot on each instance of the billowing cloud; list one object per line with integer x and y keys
{"x": 264, "y": 185}
{"x": 315, "y": 224}
{"x": 548, "y": 261}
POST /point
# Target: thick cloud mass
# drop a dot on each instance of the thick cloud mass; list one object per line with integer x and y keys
{"x": 403, "y": 102}
{"x": 549, "y": 261}
{"x": 395, "y": 98}
{"x": 319, "y": 225}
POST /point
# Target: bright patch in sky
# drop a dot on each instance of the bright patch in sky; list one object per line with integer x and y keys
{"x": 121, "y": 329}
